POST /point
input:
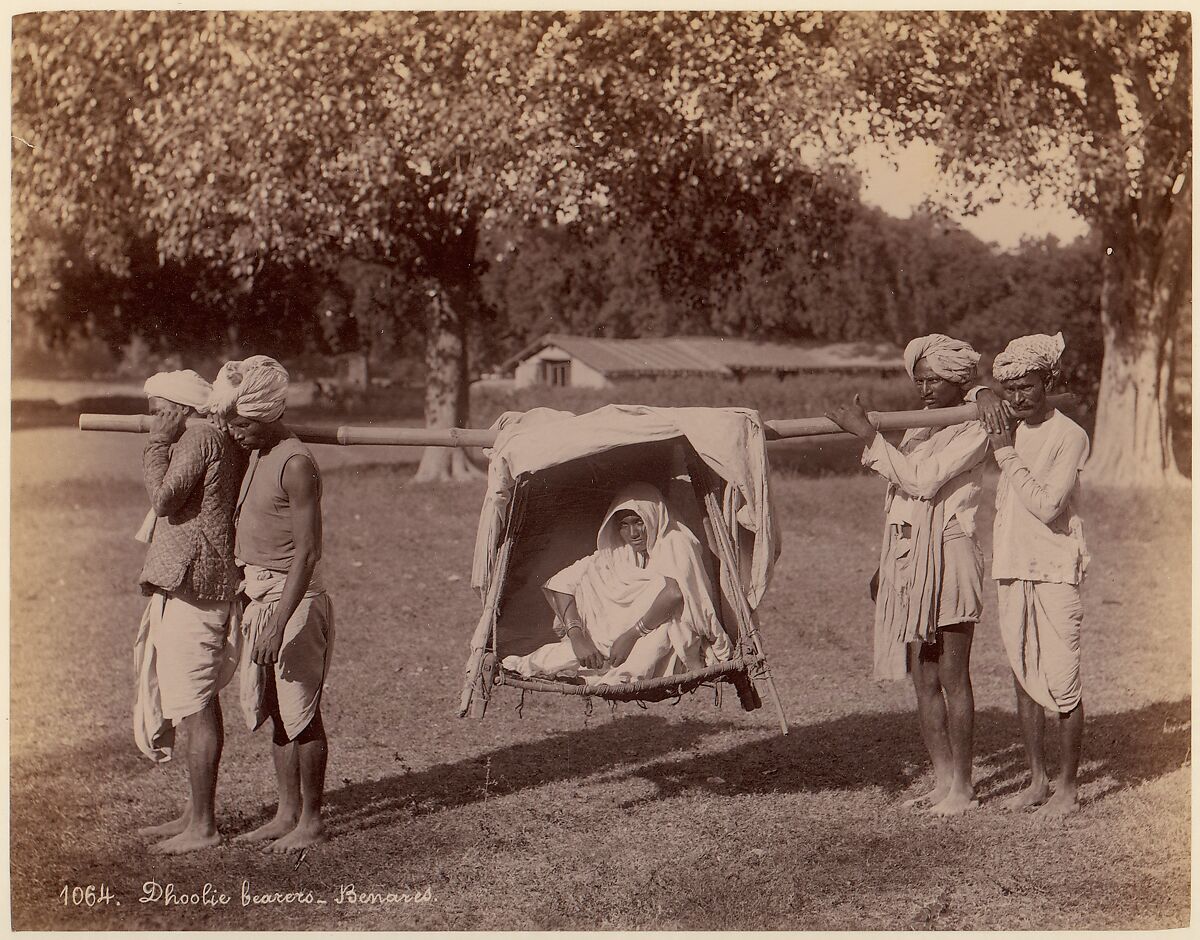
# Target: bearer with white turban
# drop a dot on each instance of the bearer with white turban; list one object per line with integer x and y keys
{"x": 1038, "y": 560}
{"x": 187, "y": 646}
{"x": 929, "y": 594}
{"x": 254, "y": 388}
{"x": 288, "y": 622}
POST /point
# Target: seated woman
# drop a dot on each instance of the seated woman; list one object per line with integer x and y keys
{"x": 639, "y": 607}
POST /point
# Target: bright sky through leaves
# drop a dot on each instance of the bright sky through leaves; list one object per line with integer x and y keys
{"x": 898, "y": 179}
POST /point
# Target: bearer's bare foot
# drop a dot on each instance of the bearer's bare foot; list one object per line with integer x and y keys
{"x": 305, "y": 834}
{"x": 281, "y": 825}
{"x": 190, "y": 840}
{"x": 1032, "y": 795}
{"x": 934, "y": 796}
{"x": 955, "y": 803}
{"x": 1064, "y": 802}
{"x": 172, "y": 828}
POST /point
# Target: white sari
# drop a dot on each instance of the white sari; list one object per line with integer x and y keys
{"x": 613, "y": 591}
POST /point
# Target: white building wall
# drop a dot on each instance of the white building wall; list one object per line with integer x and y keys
{"x": 582, "y": 376}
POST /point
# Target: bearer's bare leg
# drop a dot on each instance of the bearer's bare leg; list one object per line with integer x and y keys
{"x": 1070, "y": 735}
{"x": 287, "y": 775}
{"x": 931, "y": 716}
{"x": 1033, "y": 735}
{"x": 205, "y": 732}
{"x": 954, "y": 674}
{"x": 313, "y": 750}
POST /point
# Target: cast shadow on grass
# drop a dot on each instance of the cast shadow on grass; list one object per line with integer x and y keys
{"x": 884, "y": 750}
{"x": 857, "y": 752}
{"x": 561, "y": 756}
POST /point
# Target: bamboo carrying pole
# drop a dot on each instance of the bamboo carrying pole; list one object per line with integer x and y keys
{"x": 782, "y": 429}
{"x": 316, "y": 434}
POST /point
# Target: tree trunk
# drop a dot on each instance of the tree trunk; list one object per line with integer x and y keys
{"x": 1133, "y": 441}
{"x": 1145, "y": 295}
{"x": 447, "y": 384}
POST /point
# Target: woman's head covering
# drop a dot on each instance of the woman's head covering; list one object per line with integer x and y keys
{"x": 648, "y": 503}
{"x": 184, "y": 387}
{"x": 1034, "y": 353}
{"x": 949, "y": 358}
{"x": 254, "y": 388}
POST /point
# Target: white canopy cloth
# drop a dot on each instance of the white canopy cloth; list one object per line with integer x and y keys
{"x": 730, "y": 441}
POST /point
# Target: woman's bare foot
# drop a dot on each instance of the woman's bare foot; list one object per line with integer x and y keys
{"x": 190, "y": 840}
{"x": 172, "y": 828}
{"x": 955, "y": 803}
{"x": 281, "y": 825}
{"x": 307, "y": 833}
{"x": 1032, "y": 795}
{"x": 1064, "y": 802}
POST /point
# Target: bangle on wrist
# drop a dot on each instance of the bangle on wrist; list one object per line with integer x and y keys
{"x": 642, "y": 628}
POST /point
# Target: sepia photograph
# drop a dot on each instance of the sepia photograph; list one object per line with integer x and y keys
{"x": 608, "y": 470}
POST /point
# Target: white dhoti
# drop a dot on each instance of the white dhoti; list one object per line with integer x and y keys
{"x": 1040, "y": 622}
{"x": 186, "y": 652}
{"x": 303, "y": 661}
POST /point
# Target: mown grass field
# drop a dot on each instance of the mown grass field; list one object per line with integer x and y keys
{"x": 677, "y": 816}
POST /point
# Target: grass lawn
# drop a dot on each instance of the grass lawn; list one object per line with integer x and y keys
{"x": 676, "y": 816}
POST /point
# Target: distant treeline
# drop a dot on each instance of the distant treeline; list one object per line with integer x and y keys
{"x": 879, "y": 278}
{"x": 864, "y": 275}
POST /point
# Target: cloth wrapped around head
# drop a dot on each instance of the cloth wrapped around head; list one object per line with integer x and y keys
{"x": 645, "y": 500}
{"x": 949, "y": 358}
{"x": 1034, "y": 353}
{"x": 184, "y": 387}
{"x": 254, "y": 388}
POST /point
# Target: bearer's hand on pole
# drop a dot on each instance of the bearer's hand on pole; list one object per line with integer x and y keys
{"x": 995, "y": 413}
{"x": 267, "y": 643}
{"x": 167, "y": 425}
{"x": 585, "y": 650}
{"x": 1001, "y": 438}
{"x": 854, "y": 419}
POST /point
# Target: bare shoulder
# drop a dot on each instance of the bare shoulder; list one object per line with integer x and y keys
{"x": 300, "y": 475}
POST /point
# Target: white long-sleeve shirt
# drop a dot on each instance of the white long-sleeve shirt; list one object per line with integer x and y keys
{"x": 932, "y": 462}
{"x": 911, "y": 471}
{"x": 1038, "y": 535}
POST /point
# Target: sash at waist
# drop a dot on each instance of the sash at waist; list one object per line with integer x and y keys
{"x": 953, "y": 530}
{"x": 265, "y": 585}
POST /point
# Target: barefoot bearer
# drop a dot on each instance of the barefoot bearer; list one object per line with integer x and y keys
{"x": 1038, "y": 560}
{"x": 187, "y": 646}
{"x": 930, "y": 586}
{"x": 288, "y": 622}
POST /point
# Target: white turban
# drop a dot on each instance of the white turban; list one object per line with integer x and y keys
{"x": 183, "y": 387}
{"x": 1035, "y": 353}
{"x": 254, "y": 388}
{"x": 950, "y": 359}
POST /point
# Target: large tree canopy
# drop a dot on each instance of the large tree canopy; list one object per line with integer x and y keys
{"x": 252, "y": 142}
{"x": 1095, "y": 107}
{"x": 398, "y": 137}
